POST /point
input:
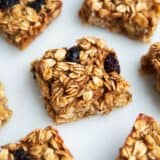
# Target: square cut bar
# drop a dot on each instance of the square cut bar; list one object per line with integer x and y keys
{"x": 135, "y": 18}
{"x": 81, "y": 81}
{"x": 5, "y": 112}
{"x": 150, "y": 63}
{"x": 40, "y": 144}
{"x": 21, "y": 21}
{"x": 143, "y": 143}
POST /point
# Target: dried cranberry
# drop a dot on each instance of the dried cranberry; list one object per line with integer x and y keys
{"x": 37, "y": 4}
{"x": 111, "y": 64}
{"x": 4, "y": 4}
{"x": 73, "y": 54}
{"x": 20, "y": 154}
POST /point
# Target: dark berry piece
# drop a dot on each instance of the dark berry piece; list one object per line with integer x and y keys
{"x": 73, "y": 54}
{"x": 111, "y": 64}
{"x": 37, "y": 4}
{"x": 4, "y": 4}
{"x": 20, "y": 154}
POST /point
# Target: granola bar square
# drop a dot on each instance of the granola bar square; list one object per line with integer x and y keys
{"x": 21, "y": 21}
{"x": 5, "y": 112}
{"x": 40, "y": 144}
{"x": 150, "y": 63}
{"x": 143, "y": 143}
{"x": 135, "y": 18}
{"x": 81, "y": 81}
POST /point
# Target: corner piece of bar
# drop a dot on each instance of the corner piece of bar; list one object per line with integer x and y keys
{"x": 5, "y": 112}
{"x": 40, "y": 144}
{"x": 21, "y": 21}
{"x": 143, "y": 143}
{"x": 135, "y": 18}
{"x": 81, "y": 81}
{"x": 150, "y": 63}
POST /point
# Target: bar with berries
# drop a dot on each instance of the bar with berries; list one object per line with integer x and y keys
{"x": 21, "y": 21}
{"x": 80, "y": 81}
{"x": 40, "y": 144}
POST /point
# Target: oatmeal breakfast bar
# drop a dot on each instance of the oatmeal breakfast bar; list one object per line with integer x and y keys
{"x": 21, "y": 21}
{"x": 41, "y": 144}
{"x": 81, "y": 81}
{"x": 135, "y": 18}
{"x": 5, "y": 112}
{"x": 150, "y": 63}
{"x": 143, "y": 143}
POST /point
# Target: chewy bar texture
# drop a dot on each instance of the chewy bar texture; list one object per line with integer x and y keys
{"x": 81, "y": 81}
{"x": 41, "y": 144}
{"x": 135, "y": 18}
{"x": 22, "y": 20}
{"x": 5, "y": 112}
{"x": 143, "y": 143}
{"x": 150, "y": 63}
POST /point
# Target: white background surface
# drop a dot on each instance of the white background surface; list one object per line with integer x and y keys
{"x": 95, "y": 138}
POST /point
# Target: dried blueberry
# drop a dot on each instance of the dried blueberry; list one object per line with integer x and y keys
{"x": 111, "y": 64}
{"x": 73, "y": 54}
{"x": 37, "y": 4}
{"x": 4, "y": 4}
{"x": 20, "y": 154}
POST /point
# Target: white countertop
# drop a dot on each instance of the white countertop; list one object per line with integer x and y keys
{"x": 95, "y": 138}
